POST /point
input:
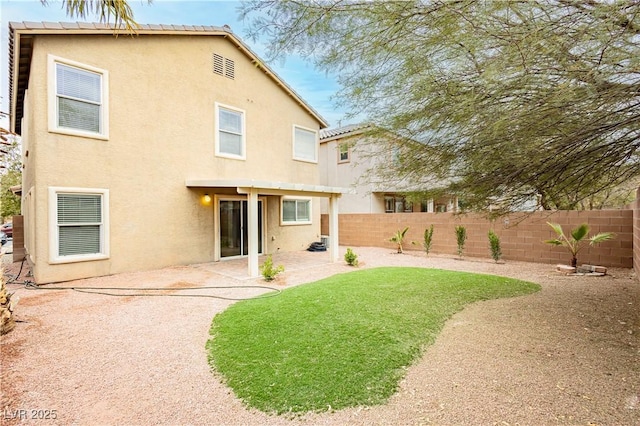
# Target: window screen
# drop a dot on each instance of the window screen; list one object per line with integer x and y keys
{"x": 79, "y": 98}
{"x": 230, "y": 132}
{"x": 79, "y": 224}
{"x": 304, "y": 144}
{"x": 296, "y": 211}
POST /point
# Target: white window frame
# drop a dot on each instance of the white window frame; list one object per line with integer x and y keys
{"x": 243, "y": 155}
{"x": 54, "y": 240}
{"x": 315, "y": 154}
{"x": 296, "y": 222}
{"x": 103, "y": 134}
{"x": 340, "y": 151}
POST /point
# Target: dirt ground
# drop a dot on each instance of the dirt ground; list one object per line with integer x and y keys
{"x": 567, "y": 355}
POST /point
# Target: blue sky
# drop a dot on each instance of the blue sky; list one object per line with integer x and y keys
{"x": 314, "y": 87}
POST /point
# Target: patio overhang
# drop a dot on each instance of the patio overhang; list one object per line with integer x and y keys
{"x": 244, "y": 186}
{"x": 252, "y": 188}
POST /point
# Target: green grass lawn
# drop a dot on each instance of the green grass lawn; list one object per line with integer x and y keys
{"x": 343, "y": 341}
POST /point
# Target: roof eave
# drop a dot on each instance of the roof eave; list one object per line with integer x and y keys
{"x": 18, "y": 29}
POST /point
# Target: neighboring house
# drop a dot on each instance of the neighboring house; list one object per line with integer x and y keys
{"x": 174, "y": 146}
{"x": 348, "y": 159}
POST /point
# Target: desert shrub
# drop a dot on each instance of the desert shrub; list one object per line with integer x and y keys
{"x": 351, "y": 258}
{"x": 268, "y": 271}
{"x": 494, "y": 245}
{"x": 461, "y": 238}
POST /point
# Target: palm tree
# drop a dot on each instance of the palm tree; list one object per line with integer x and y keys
{"x": 119, "y": 10}
{"x": 575, "y": 243}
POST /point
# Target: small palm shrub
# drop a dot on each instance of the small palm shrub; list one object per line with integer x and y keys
{"x": 461, "y": 238}
{"x": 351, "y": 258}
{"x": 577, "y": 237}
{"x": 428, "y": 238}
{"x": 268, "y": 271}
{"x": 398, "y": 238}
{"x": 494, "y": 245}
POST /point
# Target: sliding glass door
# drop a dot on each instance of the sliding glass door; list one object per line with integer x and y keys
{"x": 234, "y": 228}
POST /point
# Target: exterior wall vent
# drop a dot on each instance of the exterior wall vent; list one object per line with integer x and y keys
{"x": 223, "y": 66}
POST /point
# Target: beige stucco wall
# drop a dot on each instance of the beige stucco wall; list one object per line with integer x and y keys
{"x": 361, "y": 174}
{"x": 349, "y": 175}
{"x": 161, "y": 104}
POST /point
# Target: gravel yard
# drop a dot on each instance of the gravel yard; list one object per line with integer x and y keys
{"x": 569, "y": 354}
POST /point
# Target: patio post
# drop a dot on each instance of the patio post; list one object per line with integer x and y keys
{"x": 333, "y": 228}
{"x": 252, "y": 219}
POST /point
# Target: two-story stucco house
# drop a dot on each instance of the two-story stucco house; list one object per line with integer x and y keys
{"x": 176, "y": 145}
{"x": 350, "y": 158}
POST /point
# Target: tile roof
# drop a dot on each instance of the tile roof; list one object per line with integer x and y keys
{"x": 342, "y": 131}
{"x": 27, "y": 25}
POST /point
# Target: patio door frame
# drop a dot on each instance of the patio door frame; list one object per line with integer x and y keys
{"x": 218, "y": 237}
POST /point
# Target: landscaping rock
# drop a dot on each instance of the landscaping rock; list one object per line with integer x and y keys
{"x": 592, "y": 268}
{"x": 566, "y": 269}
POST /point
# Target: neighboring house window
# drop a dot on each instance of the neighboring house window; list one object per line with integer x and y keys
{"x": 296, "y": 211}
{"x": 305, "y": 144}
{"x": 79, "y": 224}
{"x": 389, "y": 204}
{"x": 397, "y": 204}
{"x": 77, "y": 99}
{"x": 230, "y": 135}
{"x": 343, "y": 153}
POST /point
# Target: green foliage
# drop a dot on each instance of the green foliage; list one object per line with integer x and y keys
{"x": 576, "y": 241}
{"x": 494, "y": 245}
{"x": 351, "y": 258}
{"x": 10, "y": 159}
{"x": 461, "y": 238}
{"x": 104, "y": 10}
{"x": 268, "y": 271}
{"x": 508, "y": 101}
{"x": 9, "y": 203}
{"x": 428, "y": 239}
{"x": 398, "y": 238}
{"x": 360, "y": 329}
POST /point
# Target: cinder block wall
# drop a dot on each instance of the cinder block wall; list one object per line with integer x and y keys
{"x": 521, "y": 236}
{"x": 635, "y": 208}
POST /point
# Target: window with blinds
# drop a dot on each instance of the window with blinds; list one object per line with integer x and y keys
{"x": 79, "y": 224}
{"x": 296, "y": 210}
{"x": 79, "y": 98}
{"x": 305, "y": 144}
{"x": 230, "y": 132}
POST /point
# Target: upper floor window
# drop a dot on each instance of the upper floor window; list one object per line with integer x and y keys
{"x": 305, "y": 144}
{"x": 230, "y": 134}
{"x": 78, "y": 99}
{"x": 343, "y": 153}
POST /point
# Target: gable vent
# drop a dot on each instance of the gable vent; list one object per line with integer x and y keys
{"x": 223, "y": 66}
{"x": 229, "y": 68}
